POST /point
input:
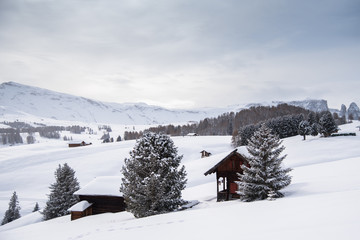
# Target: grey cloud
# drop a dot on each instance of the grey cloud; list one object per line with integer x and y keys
{"x": 202, "y": 43}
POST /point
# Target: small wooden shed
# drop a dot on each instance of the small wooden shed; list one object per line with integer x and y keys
{"x": 205, "y": 154}
{"x": 78, "y": 144}
{"x": 81, "y": 209}
{"x": 103, "y": 194}
{"x": 226, "y": 173}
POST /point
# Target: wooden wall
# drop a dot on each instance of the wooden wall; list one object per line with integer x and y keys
{"x": 104, "y": 204}
{"x": 233, "y": 164}
{"x": 229, "y": 170}
{"x": 77, "y": 214}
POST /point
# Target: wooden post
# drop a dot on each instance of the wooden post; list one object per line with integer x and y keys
{"x": 227, "y": 189}
{"x": 217, "y": 187}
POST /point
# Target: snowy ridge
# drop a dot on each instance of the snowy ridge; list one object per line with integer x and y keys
{"x": 309, "y": 104}
{"x": 27, "y": 103}
{"x": 20, "y": 102}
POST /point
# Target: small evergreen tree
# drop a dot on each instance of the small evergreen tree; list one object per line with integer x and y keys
{"x": 315, "y": 128}
{"x": 36, "y": 208}
{"x": 265, "y": 177}
{"x": 30, "y": 139}
{"x": 328, "y": 125}
{"x": 61, "y": 196}
{"x": 305, "y": 128}
{"x": 13, "y": 211}
{"x": 152, "y": 181}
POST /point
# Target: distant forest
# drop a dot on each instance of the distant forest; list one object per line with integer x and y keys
{"x": 226, "y": 123}
{"x": 12, "y": 135}
{"x": 284, "y": 120}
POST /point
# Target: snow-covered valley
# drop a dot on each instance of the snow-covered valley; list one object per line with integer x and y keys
{"x": 321, "y": 203}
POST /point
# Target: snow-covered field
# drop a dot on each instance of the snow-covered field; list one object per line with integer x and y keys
{"x": 321, "y": 203}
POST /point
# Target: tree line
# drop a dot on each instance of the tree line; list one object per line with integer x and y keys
{"x": 288, "y": 126}
{"x": 12, "y": 135}
{"x": 224, "y": 124}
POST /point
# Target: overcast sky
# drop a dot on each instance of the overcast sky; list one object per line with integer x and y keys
{"x": 182, "y": 53}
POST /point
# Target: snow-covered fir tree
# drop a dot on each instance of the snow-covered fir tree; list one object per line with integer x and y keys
{"x": 265, "y": 177}
{"x": 328, "y": 125}
{"x": 13, "y": 211}
{"x": 36, "y": 208}
{"x": 30, "y": 139}
{"x": 153, "y": 179}
{"x": 61, "y": 196}
{"x": 305, "y": 128}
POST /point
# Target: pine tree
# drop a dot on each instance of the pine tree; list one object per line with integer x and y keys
{"x": 152, "y": 181}
{"x": 13, "y": 212}
{"x": 61, "y": 196}
{"x": 36, "y": 208}
{"x": 265, "y": 177}
{"x": 315, "y": 129}
{"x": 305, "y": 128}
{"x": 328, "y": 125}
{"x": 30, "y": 139}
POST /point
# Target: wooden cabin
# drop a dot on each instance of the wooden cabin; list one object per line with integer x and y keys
{"x": 205, "y": 154}
{"x": 104, "y": 196}
{"x": 81, "y": 209}
{"x": 78, "y": 144}
{"x": 226, "y": 174}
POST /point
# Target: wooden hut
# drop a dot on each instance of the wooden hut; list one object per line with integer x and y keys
{"x": 81, "y": 209}
{"x": 226, "y": 174}
{"x": 78, "y": 144}
{"x": 103, "y": 194}
{"x": 205, "y": 154}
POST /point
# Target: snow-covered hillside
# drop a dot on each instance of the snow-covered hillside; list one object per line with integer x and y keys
{"x": 32, "y": 104}
{"x": 19, "y": 101}
{"x": 321, "y": 203}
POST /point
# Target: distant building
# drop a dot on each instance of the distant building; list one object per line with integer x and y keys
{"x": 205, "y": 154}
{"x": 78, "y": 144}
{"x": 101, "y": 195}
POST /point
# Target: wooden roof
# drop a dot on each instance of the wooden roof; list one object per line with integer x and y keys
{"x": 234, "y": 152}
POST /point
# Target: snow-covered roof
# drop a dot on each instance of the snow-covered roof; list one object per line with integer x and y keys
{"x": 76, "y": 142}
{"x": 191, "y": 134}
{"x": 243, "y": 151}
{"x": 102, "y": 186}
{"x": 80, "y": 206}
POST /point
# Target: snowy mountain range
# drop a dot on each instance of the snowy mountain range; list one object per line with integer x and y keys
{"x": 19, "y": 101}
{"x": 23, "y": 102}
